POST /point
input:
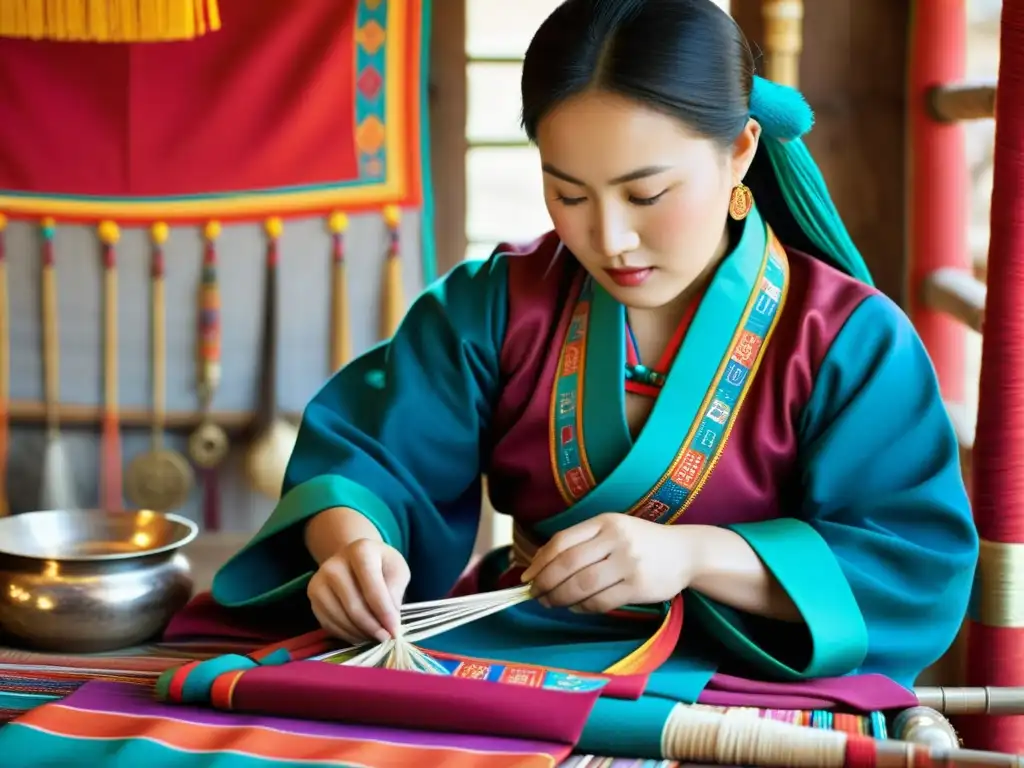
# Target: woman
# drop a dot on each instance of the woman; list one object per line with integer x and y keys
{"x": 664, "y": 398}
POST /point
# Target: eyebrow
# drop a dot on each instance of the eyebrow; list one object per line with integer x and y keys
{"x": 639, "y": 173}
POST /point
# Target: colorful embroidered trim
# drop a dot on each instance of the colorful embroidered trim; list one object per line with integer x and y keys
{"x": 568, "y": 454}
{"x": 708, "y": 434}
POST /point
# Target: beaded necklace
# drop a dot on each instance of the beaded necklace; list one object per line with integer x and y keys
{"x": 648, "y": 380}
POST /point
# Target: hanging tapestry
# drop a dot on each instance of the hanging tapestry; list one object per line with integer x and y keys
{"x": 290, "y": 108}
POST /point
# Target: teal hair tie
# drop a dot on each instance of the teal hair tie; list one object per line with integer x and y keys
{"x": 782, "y": 111}
{"x": 784, "y": 117}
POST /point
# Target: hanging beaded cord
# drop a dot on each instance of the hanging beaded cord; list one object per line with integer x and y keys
{"x": 646, "y": 380}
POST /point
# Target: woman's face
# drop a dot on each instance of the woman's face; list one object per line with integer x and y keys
{"x": 640, "y": 200}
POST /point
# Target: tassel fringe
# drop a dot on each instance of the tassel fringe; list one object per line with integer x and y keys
{"x": 108, "y": 21}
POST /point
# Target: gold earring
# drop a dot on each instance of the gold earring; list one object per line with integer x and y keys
{"x": 740, "y": 202}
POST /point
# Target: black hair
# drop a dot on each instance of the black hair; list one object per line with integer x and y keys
{"x": 686, "y": 58}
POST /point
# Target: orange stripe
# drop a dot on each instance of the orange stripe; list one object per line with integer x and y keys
{"x": 653, "y": 653}
{"x": 266, "y": 743}
{"x": 223, "y": 688}
{"x": 177, "y": 682}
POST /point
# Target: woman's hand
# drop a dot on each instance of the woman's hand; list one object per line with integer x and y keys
{"x": 613, "y": 560}
{"x": 357, "y": 593}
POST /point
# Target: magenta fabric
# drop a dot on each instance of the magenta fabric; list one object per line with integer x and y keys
{"x": 861, "y": 693}
{"x": 384, "y": 697}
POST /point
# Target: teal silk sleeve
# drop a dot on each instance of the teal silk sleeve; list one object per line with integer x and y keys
{"x": 396, "y": 435}
{"x": 881, "y": 558}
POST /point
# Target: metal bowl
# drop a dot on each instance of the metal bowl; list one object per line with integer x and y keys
{"x": 87, "y": 581}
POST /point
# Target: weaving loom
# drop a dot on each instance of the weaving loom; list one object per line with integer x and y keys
{"x": 242, "y": 682}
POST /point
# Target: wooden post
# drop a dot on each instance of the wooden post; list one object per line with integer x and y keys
{"x": 938, "y": 183}
{"x": 783, "y": 39}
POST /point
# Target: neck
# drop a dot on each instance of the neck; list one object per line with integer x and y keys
{"x": 654, "y": 326}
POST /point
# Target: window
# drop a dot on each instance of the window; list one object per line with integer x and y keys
{"x": 504, "y": 196}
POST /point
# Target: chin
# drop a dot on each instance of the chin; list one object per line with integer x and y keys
{"x": 648, "y": 296}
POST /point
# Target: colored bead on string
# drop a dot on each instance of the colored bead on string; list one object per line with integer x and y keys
{"x": 209, "y": 311}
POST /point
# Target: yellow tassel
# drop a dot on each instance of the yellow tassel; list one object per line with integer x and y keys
{"x": 109, "y": 21}
{"x": 56, "y": 19}
{"x": 36, "y": 20}
{"x": 128, "y": 13}
{"x": 97, "y": 25}
{"x": 8, "y": 14}
{"x": 76, "y": 15}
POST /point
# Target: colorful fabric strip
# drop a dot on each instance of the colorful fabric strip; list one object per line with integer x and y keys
{"x": 107, "y": 724}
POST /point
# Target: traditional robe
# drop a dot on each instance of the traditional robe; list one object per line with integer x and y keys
{"x": 801, "y": 411}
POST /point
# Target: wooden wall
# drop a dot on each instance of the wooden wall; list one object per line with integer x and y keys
{"x": 853, "y": 73}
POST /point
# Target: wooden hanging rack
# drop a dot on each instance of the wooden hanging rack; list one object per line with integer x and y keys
{"x": 74, "y": 415}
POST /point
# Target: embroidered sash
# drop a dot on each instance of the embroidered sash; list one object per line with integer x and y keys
{"x": 702, "y": 445}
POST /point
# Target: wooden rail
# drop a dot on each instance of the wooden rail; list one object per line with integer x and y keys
{"x": 957, "y": 102}
{"x": 74, "y": 415}
{"x": 957, "y": 293}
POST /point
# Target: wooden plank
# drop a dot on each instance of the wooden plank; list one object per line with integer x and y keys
{"x": 448, "y": 132}
{"x": 958, "y": 102}
{"x": 958, "y": 294}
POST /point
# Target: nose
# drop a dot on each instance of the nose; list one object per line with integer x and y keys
{"x": 612, "y": 233}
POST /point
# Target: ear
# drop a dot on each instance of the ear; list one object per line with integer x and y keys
{"x": 743, "y": 150}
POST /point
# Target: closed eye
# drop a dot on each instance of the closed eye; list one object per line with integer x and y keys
{"x": 646, "y": 200}
{"x": 570, "y": 200}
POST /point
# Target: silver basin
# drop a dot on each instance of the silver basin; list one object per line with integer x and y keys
{"x": 88, "y": 581}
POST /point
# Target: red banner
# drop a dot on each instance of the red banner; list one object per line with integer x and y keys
{"x": 291, "y": 107}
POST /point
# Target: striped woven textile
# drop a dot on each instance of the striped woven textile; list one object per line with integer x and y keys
{"x": 28, "y": 681}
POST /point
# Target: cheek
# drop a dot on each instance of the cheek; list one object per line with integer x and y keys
{"x": 683, "y": 219}
{"x": 570, "y": 225}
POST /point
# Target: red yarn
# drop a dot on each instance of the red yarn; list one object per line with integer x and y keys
{"x": 860, "y": 752}
{"x": 996, "y": 655}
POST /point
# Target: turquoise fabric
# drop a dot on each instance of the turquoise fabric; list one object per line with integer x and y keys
{"x": 791, "y": 549}
{"x": 883, "y": 488}
{"x": 396, "y": 435}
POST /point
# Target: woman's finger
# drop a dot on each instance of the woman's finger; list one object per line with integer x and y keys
{"x": 570, "y": 562}
{"x": 332, "y": 617}
{"x": 615, "y": 596}
{"x": 349, "y": 593}
{"x": 368, "y": 571}
{"x": 585, "y": 583}
{"x": 559, "y": 543}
